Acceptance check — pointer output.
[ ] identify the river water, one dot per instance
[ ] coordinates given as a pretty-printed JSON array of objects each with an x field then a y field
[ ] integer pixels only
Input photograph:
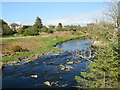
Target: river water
[{"x": 48, "y": 68}]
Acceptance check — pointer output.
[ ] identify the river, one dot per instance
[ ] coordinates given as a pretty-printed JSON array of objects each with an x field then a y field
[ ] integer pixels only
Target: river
[{"x": 48, "y": 68}]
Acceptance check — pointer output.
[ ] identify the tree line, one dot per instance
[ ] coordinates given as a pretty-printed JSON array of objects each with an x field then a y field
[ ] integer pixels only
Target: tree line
[{"x": 30, "y": 30}]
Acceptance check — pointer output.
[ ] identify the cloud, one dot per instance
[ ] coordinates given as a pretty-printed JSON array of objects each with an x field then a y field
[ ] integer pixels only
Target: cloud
[
  {"x": 18, "y": 22},
  {"x": 81, "y": 18}
]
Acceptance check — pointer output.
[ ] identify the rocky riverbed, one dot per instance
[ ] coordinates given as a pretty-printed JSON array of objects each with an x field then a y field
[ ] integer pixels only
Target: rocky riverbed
[{"x": 53, "y": 70}]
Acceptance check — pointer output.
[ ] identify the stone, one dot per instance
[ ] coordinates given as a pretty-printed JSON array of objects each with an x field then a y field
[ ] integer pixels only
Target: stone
[
  {"x": 34, "y": 76},
  {"x": 47, "y": 83},
  {"x": 60, "y": 77},
  {"x": 70, "y": 63},
  {"x": 54, "y": 83},
  {"x": 68, "y": 67},
  {"x": 62, "y": 65},
  {"x": 68, "y": 70},
  {"x": 62, "y": 68},
  {"x": 67, "y": 60},
  {"x": 56, "y": 54},
  {"x": 78, "y": 62}
]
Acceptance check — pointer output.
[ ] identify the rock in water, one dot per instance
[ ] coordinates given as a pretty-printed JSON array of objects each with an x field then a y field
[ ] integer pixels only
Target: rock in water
[
  {"x": 56, "y": 54},
  {"x": 55, "y": 84},
  {"x": 62, "y": 68},
  {"x": 78, "y": 62},
  {"x": 34, "y": 76},
  {"x": 47, "y": 83},
  {"x": 68, "y": 67},
  {"x": 70, "y": 63}
]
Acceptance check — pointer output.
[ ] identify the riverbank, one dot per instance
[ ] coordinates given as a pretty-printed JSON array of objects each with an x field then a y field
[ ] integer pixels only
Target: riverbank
[
  {"x": 60, "y": 67},
  {"x": 37, "y": 46}
]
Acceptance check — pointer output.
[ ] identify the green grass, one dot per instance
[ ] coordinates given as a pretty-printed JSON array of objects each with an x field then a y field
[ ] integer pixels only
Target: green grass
[
  {"x": 12, "y": 40},
  {"x": 48, "y": 44},
  {"x": 7, "y": 36}
]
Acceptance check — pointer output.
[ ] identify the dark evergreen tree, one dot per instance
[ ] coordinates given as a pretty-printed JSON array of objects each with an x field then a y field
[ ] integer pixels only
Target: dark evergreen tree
[
  {"x": 38, "y": 23},
  {"x": 59, "y": 25},
  {"x": 4, "y": 28},
  {"x": 103, "y": 71}
]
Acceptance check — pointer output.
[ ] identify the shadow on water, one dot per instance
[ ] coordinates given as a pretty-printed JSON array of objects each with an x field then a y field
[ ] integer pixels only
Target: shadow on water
[{"x": 48, "y": 68}]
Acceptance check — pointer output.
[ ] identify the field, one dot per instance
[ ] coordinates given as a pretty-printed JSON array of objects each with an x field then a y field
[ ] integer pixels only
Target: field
[{"x": 37, "y": 45}]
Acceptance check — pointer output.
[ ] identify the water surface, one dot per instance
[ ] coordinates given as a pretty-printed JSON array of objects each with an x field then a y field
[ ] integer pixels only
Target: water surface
[{"x": 48, "y": 68}]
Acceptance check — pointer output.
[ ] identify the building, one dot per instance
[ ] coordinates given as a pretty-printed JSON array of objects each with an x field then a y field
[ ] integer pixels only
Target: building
[{"x": 15, "y": 26}]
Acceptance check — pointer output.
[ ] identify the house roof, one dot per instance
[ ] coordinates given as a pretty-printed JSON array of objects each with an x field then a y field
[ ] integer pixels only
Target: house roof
[{"x": 14, "y": 24}]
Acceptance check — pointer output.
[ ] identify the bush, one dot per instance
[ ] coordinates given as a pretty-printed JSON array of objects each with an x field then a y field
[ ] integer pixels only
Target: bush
[
  {"x": 21, "y": 31},
  {"x": 44, "y": 29},
  {"x": 26, "y": 26},
  {"x": 51, "y": 26},
  {"x": 39, "y": 30},
  {"x": 76, "y": 33},
  {"x": 16, "y": 48},
  {"x": 65, "y": 29},
  {"x": 49, "y": 31},
  {"x": 59, "y": 29},
  {"x": 24, "y": 50},
  {"x": 31, "y": 31}
]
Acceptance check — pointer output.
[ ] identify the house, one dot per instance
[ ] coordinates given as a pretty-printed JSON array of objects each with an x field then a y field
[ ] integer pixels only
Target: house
[{"x": 15, "y": 26}]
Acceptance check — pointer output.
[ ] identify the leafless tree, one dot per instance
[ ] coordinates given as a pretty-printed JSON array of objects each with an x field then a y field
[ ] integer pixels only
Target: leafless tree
[
  {"x": 84, "y": 54},
  {"x": 112, "y": 11}
]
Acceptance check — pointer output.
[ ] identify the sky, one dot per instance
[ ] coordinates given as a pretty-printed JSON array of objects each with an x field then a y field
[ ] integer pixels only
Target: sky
[
  {"x": 52, "y": 13},
  {"x": 54, "y": 0}
]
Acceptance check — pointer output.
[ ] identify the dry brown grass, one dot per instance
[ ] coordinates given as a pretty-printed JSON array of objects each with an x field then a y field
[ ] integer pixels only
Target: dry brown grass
[
  {"x": 30, "y": 45},
  {"x": 61, "y": 33}
]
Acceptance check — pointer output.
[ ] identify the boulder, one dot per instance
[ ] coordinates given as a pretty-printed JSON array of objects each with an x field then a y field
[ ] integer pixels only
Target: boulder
[
  {"x": 62, "y": 68},
  {"x": 68, "y": 67},
  {"x": 34, "y": 76},
  {"x": 51, "y": 83},
  {"x": 54, "y": 83},
  {"x": 70, "y": 62},
  {"x": 47, "y": 83}
]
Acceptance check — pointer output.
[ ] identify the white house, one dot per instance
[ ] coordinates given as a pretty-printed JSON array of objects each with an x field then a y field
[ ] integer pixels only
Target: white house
[{"x": 15, "y": 26}]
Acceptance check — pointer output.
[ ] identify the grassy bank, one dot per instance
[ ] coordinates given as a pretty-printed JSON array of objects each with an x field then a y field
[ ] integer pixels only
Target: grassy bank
[{"x": 36, "y": 45}]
